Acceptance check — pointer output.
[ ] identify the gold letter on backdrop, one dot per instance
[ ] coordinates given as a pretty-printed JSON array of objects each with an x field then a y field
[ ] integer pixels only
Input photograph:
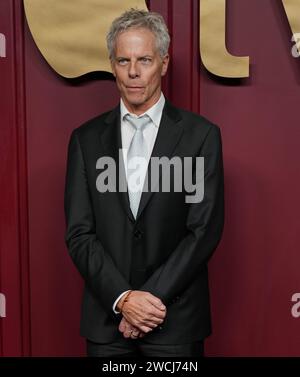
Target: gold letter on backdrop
[
  {"x": 2, "y": 46},
  {"x": 70, "y": 34},
  {"x": 214, "y": 54},
  {"x": 2, "y": 306},
  {"x": 292, "y": 9}
]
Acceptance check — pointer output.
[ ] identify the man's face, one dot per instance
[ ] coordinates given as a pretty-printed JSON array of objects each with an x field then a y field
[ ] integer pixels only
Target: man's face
[{"x": 138, "y": 69}]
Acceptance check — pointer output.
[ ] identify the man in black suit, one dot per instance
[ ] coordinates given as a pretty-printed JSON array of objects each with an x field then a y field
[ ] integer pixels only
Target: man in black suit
[{"x": 143, "y": 253}]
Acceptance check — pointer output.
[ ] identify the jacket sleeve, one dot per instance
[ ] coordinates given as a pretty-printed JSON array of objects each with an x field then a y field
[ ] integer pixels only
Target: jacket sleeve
[
  {"x": 92, "y": 261},
  {"x": 204, "y": 224}
]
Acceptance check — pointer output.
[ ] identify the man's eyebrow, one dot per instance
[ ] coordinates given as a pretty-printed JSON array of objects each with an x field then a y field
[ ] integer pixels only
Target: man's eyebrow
[{"x": 139, "y": 57}]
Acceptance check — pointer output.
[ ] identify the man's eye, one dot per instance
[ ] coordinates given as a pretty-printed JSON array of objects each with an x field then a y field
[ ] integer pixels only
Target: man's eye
[
  {"x": 122, "y": 61},
  {"x": 146, "y": 60}
]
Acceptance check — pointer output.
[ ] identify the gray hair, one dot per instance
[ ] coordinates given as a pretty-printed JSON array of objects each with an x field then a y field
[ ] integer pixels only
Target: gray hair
[{"x": 137, "y": 18}]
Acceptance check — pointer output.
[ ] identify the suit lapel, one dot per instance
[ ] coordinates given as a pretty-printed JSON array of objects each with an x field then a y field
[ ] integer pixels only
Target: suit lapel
[
  {"x": 168, "y": 136},
  {"x": 169, "y": 133},
  {"x": 112, "y": 143}
]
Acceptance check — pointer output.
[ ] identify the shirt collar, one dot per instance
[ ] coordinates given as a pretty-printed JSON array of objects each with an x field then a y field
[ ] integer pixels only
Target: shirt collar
[{"x": 154, "y": 112}]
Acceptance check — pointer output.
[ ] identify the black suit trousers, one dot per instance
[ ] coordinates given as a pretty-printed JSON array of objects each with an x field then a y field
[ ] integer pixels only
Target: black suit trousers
[{"x": 127, "y": 347}]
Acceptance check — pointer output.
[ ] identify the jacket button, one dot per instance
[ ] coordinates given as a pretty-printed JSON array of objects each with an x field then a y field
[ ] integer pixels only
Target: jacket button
[
  {"x": 137, "y": 234},
  {"x": 175, "y": 299}
]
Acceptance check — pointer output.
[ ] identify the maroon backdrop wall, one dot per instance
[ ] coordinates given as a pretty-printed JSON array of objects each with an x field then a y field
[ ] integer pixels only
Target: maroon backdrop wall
[{"x": 253, "y": 273}]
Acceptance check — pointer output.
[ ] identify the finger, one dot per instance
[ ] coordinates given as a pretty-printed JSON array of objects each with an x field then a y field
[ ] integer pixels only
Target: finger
[
  {"x": 151, "y": 323},
  {"x": 155, "y": 301},
  {"x": 147, "y": 320},
  {"x": 152, "y": 309},
  {"x": 145, "y": 329},
  {"x": 122, "y": 325},
  {"x": 155, "y": 314},
  {"x": 131, "y": 318},
  {"x": 128, "y": 327},
  {"x": 127, "y": 333},
  {"x": 134, "y": 330},
  {"x": 150, "y": 320},
  {"x": 135, "y": 334}
]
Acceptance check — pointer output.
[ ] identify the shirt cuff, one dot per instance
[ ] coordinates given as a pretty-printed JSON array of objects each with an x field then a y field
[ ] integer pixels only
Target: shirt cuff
[{"x": 116, "y": 301}]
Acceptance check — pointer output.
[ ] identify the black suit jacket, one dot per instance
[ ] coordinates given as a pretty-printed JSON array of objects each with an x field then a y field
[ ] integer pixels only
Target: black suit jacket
[{"x": 165, "y": 250}]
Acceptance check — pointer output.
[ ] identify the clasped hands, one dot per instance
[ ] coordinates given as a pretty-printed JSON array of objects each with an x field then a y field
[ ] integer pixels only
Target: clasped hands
[{"x": 142, "y": 312}]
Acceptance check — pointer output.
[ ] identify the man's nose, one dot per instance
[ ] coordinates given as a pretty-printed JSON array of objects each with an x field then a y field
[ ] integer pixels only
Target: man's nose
[{"x": 133, "y": 70}]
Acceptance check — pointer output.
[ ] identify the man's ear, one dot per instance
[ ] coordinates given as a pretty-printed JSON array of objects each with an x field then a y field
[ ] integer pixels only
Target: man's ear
[{"x": 165, "y": 64}]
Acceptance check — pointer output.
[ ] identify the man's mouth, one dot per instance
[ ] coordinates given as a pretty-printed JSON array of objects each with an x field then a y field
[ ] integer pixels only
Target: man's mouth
[{"x": 134, "y": 88}]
